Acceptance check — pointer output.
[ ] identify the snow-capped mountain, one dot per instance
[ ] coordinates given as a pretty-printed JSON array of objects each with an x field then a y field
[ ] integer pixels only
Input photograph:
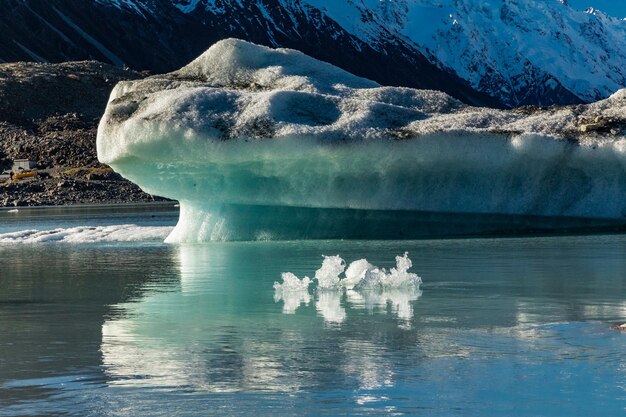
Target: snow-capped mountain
[
  {"x": 494, "y": 52},
  {"x": 520, "y": 51}
]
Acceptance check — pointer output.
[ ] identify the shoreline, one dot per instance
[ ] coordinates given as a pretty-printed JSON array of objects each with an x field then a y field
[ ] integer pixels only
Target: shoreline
[
  {"x": 73, "y": 190},
  {"x": 49, "y": 114},
  {"x": 95, "y": 206}
]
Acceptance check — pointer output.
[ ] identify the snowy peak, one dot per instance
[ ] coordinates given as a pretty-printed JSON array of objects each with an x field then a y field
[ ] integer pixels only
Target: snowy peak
[
  {"x": 522, "y": 52},
  {"x": 506, "y": 53}
]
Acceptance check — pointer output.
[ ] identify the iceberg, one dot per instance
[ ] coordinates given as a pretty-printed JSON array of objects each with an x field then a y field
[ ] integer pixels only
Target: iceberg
[{"x": 261, "y": 143}]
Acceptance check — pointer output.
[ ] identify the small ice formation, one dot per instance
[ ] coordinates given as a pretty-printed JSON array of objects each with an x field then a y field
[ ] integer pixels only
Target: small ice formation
[
  {"x": 254, "y": 141},
  {"x": 293, "y": 292},
  {"x": 356, "y": 273},
  {"x": 88, "y": 234},
  {"x": 365, "y": 287},
  {"x": 362, "y": 274},
  {"x": 292, "y": 283},
  {"x": 328, "y": 275}
]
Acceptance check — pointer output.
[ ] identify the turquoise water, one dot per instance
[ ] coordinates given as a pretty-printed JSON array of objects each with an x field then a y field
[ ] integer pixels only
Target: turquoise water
[{"x": 500, "y": 327}]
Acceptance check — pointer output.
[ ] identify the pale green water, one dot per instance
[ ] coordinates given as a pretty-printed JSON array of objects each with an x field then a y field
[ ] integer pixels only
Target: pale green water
[{"x": 503, "y": 327}]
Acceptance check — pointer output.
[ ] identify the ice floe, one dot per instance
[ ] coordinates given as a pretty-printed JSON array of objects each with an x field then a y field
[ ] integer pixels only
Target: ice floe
[
  {"x": 363, "y": 286},
  {"x": 88, "y": 234}
]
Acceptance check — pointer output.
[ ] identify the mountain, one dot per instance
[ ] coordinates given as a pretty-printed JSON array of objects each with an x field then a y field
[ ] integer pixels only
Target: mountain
[
  {"x": 493, "y": 53},
  {"x": 610, "y": 7}
]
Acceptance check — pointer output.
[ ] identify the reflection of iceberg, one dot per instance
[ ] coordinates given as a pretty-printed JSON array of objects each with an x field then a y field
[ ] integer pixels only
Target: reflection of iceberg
[
  {"x": 212, "y": 327},
  {"x": 292, "y": 300},
  {"x": 398, "y": 299},
  {"x": 218, "y": 329},
  {"x": 262, "y": 143},
  {"x": 329, "y": 306},
  {"x": 199, "y": 334}
]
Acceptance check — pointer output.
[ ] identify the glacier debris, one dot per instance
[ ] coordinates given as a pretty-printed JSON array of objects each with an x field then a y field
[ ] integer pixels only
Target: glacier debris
[{"x": 255, "y": 141}]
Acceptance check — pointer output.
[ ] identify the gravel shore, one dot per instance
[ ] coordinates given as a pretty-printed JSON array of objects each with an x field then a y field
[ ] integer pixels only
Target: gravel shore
[{"x": 49, "y": 114}]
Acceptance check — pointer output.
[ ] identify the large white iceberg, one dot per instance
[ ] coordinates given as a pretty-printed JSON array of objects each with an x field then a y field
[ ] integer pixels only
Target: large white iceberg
[{"x": 269, "y": 143}]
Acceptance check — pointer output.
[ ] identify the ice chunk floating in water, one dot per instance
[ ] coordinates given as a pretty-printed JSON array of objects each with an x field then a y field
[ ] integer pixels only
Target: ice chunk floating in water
[
  {"x": 365, "y": 286},
  {"x": 88, "y": 234},
  {"x": 260, "y": 143},
  {"x": 328, "y": 274},
  {"x": 293, "y": 291}
]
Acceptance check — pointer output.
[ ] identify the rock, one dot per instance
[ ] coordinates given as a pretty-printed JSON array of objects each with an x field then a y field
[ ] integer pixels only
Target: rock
[
  {"x": 589, "y": 127},
  {"x": 49, "y": 113}
]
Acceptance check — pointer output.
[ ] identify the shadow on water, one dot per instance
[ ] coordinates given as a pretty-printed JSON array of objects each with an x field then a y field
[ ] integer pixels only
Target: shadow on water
[{"x": 263, "y": 222}]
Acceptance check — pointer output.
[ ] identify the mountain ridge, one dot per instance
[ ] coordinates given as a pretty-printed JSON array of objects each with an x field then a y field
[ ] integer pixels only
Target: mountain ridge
[{"x": 506, "y": 55}]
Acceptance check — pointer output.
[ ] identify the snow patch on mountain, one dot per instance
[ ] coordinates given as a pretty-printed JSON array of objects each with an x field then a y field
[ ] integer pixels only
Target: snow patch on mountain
[
  {"x": 186, "y": 6},
  {"x": 133, "y": 6},
  {"x": 520, "y": 52},
  {"x": 614, "y": 8},
  {"x": 504, "y": 49}
]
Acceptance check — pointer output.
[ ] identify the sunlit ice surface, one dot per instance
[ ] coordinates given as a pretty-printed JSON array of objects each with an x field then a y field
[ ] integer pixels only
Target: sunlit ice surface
[
  {"x": 260, "y": 143},
  {"x": 499, "y": 327}
]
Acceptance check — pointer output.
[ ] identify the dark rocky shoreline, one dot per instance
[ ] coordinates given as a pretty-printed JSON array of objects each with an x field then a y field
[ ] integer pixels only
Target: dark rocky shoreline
[
  {"x": 61, "y": 191},
  {"x": 49, "y": 113}
]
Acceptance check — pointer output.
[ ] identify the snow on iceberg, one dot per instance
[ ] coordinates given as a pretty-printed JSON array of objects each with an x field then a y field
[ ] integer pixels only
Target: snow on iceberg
[{"x": 258, "y": 142}]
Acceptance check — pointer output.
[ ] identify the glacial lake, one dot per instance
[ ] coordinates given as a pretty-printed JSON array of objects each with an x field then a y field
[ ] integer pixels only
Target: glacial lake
[{"x": 100, "y": 318}]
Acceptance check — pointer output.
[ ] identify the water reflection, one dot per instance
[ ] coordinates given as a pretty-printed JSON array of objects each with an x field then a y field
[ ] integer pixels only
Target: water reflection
[
  {"x": 505, "y": 327},
  {"x": 219, "y": 330},
  {"x": 222, "y": 328},
  {"x": 397, "y": 301},
  {"x": 292, "y": 300},
  {"x": 329, "y": 306}
]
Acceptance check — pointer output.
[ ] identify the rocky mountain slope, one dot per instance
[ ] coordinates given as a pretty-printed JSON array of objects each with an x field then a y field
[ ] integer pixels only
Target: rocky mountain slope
[
  {"x": 488, "y": 53},
  {"x": 49, "y": 113},
  {"x": 162, "y": 35}
]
